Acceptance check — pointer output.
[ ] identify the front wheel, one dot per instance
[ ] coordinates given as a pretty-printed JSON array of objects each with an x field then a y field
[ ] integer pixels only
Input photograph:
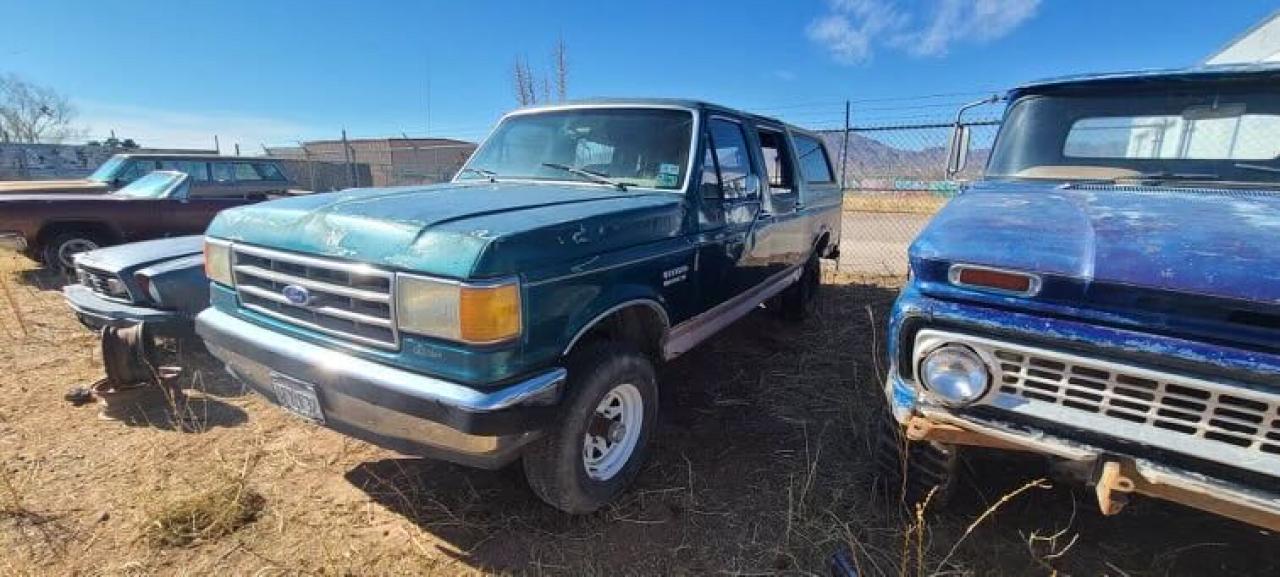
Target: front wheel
[
  {"x": 913, "y": 469},
  {"x": 59, "y": 253},
  {"x": 597, "y": 448}
]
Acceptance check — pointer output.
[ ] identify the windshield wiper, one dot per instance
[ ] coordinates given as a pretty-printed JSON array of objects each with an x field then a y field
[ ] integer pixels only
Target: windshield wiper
[
  {"x": 1257, "y": 167},
  {"x": 489, "y": 174},
  {"x": 587, "y": 174},
  {"x": 1165, "y": 175}
]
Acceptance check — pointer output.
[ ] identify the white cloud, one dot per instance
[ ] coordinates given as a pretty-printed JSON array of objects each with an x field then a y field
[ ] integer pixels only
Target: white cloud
[
  {"x": 852, "y": 29},
  {"x": 160, "y": 128}
]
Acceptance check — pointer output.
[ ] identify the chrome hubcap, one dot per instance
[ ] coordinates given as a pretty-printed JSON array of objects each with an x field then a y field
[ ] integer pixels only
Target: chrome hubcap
[
  {"x": 69, "y": 249},
  {"x": 613, "y": 432}
]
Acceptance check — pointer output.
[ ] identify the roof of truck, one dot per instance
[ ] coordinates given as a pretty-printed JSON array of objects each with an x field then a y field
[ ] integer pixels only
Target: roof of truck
[
  {"x": 1203, "y": 73},
  {"x": 668, "y": 102}
]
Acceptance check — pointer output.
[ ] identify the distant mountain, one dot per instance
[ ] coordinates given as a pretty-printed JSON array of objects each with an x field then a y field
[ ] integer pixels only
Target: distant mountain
[{"x": 872, "y": 158}]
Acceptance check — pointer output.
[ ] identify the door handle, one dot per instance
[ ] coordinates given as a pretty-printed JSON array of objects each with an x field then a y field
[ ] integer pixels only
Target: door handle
[{"x": 763, "y": 215}]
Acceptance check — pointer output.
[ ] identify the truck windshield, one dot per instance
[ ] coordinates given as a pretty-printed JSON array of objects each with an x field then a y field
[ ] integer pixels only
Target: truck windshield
[
  {"x": 107, "y": 171},
  {"x": 1182, "y": 134},
  {"x": 635, "y": 147},
  {"x": 155, "y": 185}
]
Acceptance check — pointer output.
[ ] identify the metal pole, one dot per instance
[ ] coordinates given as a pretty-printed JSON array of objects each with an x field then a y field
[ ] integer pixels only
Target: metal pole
[
  {"x": 844, "y": 150},
  {"x": 237, "y": 149},
  {"x": 216, "y": 147},
  {"x": 346, "y": 155}
]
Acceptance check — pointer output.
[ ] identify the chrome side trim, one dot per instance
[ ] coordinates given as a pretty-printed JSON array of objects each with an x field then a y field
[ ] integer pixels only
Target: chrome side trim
[
  {"x": 608, "y": 267},
  {"x": 953, "y": 276},
  {"x": 686, "y": 335},
  {"x": 666, "y": 321}
]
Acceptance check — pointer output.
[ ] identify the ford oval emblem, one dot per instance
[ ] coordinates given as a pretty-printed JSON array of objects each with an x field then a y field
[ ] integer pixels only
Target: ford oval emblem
[{"x": 296, "y": 294}]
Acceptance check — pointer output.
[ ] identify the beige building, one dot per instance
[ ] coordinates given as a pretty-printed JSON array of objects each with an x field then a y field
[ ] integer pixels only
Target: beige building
[{"x": 392, "y": 161}]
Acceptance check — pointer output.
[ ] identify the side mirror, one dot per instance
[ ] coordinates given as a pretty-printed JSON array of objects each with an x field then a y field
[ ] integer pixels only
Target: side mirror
[{"x": 958, "y": 150}]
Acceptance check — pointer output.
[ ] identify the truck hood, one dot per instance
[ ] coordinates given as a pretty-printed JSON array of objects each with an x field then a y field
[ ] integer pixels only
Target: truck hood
[
  {"x": 457, "y": 230},
  {"x": 53, "y": 186},
  {"x": 139, "y": 254},
  {"x": 1219, "y": 243}
]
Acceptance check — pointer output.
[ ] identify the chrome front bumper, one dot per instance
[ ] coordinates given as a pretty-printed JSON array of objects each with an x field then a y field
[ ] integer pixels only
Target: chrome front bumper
[
  {"x": 1088, "y": 395},
  {"x": 390, "y": 407}
]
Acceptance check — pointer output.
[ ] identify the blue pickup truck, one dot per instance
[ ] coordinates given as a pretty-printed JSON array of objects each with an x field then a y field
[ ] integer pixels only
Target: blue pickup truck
[
  {"x": 1108, "y": 296},
  {"x": 520, "y": 310}
]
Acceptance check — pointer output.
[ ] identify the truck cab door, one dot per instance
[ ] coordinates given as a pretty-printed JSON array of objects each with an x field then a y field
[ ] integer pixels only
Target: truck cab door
[
  {"x": 781, "y": 236},
  {"x": 728, "y": 207}
]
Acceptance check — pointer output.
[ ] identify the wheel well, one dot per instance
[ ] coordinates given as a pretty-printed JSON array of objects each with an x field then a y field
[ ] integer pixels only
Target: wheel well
[
  {"x": 97, "y": 229},
  {"x": 820, "y": 247},
  {"x": 641, "y": 324}
]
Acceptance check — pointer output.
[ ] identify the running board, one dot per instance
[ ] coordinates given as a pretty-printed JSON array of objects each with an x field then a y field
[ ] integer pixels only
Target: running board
[{"x": 688, "y": 334}]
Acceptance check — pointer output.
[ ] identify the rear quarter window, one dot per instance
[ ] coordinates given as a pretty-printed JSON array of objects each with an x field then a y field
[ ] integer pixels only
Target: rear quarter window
[{"x": 814, "y": 164}]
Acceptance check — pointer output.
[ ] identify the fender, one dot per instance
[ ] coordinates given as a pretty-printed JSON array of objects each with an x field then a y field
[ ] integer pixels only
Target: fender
[{"x": 649, "y": 302}]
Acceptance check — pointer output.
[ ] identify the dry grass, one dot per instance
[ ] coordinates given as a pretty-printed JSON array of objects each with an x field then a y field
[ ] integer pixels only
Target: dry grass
[
  {"x": 761, "y": 467},
  {"x": 906, "y": 202}
]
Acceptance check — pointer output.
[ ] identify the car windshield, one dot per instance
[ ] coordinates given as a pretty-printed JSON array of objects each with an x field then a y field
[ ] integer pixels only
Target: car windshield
[
  {"x": 1177, "y": 134},
  {"x": 108, "y": 170},
  {"x": 154, "y": 185},
  {"x": 631, "y": 147}
]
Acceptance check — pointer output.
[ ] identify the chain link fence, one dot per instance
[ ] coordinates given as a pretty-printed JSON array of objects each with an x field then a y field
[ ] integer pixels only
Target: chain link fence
[{"x": 894, "y": 181}]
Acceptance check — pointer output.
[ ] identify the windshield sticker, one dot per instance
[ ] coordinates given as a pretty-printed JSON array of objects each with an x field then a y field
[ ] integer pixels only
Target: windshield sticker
[{"x": 666, "y": 168}]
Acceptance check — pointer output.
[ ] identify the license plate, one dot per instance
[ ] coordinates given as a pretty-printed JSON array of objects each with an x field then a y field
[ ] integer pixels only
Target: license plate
[{"x": 298, "y": 397}]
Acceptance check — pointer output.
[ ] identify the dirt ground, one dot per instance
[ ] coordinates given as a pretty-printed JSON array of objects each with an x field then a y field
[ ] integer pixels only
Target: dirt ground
[{"x": 761, "y": 467}]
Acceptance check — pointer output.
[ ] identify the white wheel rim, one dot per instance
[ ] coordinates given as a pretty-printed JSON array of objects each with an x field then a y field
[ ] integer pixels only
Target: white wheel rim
[
  {"x": 74, "y": 247},
  {"x": 613, "y": 432}
]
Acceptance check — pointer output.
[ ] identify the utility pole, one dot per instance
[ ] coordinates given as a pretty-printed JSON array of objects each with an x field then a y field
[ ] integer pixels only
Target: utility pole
[
  {"x": 216, "y": 147},
  {"x": 844, "y": 150},
  {"x": 237, "y": 149}
]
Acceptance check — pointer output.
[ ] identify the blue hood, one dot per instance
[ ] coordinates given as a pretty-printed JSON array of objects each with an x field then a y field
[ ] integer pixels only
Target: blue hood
[
  {"x": 134, "y": 255},
  {"x": 1215, "y": 243}
]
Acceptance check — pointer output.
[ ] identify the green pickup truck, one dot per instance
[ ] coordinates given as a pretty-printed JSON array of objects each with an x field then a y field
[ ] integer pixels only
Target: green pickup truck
[{"x": 519, "y": 311}]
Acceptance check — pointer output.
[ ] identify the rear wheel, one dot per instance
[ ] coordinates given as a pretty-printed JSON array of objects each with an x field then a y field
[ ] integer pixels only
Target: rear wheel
[
  {"x": 911, "y": 469},
  {"x": 59, "y": 253},
  {"x": 599, "y": 445},
  {"x": 800, "y": 300}
]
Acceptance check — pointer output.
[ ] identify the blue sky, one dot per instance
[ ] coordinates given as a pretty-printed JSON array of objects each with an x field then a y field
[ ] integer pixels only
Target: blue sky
[{"x": 175, "y": 73}]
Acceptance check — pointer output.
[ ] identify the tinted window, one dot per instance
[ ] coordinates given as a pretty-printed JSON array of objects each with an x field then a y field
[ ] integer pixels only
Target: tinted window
[
  {"x": 776, "y": 160},
  {"x": 245, "y": 171},
  {"x": 222, "y": 171},
  {"x": 813, "y": 159},
  {"x": 731, "y": 158},
  {"x": 270, "y": 172},
  {"x": 199, "y": 171},
  {"x": 134, "y": 170}
]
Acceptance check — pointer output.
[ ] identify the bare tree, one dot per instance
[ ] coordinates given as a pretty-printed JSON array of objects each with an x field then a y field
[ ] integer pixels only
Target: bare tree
[
  {"x": 523, "y": 82},
  {"x": 531, "y": 88},
  {"x": 33, "y": 113},
  {"x": 561, "y": 59}
]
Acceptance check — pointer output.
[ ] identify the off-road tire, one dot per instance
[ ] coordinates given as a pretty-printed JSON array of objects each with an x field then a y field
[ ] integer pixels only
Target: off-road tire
[
  {"x": 553, "y": 465},
  {"x": 926, "y": 465},
  {"x": 799, "y": 301},
  {"x": 52, "y": 250}
]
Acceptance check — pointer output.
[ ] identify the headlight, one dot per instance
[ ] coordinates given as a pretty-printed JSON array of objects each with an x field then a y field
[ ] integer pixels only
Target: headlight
[
  {"x": 217, "y": 261},
  {"x": 475, "y": 314},
  {"x": 955, "y": 374}
]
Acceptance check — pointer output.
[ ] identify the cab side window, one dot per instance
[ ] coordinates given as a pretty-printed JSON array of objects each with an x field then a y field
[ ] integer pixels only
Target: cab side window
[
  {"x": 726, "y": 165},
  {"x": 199, "y": 171},
  {"x": 223, "y": 172},
  {"x": 777, "y": 161}
]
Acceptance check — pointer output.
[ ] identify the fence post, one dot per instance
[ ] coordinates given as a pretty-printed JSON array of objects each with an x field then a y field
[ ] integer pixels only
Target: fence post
[
  {"x": 346, "y": 155},
  {"x": 844, "y": 150}
]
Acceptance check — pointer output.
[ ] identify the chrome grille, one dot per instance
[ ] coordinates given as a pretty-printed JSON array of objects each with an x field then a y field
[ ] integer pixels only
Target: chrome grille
[
  {"x": 1234, "y": 424},
  {"x": 104, "y": 283},
  {"x": 1232, "y": 416},
  {"x": 350, "y": 301}
]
